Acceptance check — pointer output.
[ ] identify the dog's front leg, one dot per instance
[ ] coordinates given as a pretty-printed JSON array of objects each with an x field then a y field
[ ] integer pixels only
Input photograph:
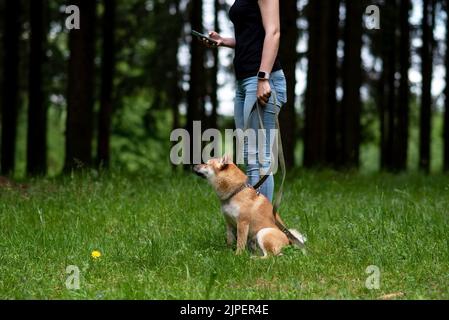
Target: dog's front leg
[
  {"x": 230, "y": 234},
  {"x": 242, "y": 236}
]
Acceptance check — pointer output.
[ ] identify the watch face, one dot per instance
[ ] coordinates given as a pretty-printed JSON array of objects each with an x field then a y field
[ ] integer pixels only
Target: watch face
[{"x": 262, "y": 75}]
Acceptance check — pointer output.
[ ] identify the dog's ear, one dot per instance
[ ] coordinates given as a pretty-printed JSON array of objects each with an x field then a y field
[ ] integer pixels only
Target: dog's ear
[{"x": 225, "y": 161}]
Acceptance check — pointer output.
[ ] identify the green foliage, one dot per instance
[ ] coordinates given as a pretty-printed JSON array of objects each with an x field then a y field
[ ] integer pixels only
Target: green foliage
[
  {"x": 142, "y": 91},
  {"x": 140, "y": 141}
]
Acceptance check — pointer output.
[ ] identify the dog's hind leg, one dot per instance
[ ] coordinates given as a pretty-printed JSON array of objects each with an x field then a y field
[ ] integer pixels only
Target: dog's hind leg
[
  {"x": 271, "y": 241},
  {"x": 260, "y": 240}
]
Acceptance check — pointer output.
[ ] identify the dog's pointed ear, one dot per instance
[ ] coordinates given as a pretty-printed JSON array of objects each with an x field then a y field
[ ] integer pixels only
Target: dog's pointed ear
[{"x": 225, "y": 161}]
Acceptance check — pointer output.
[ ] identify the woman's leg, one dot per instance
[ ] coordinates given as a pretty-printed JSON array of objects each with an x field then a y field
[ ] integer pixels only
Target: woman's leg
[
  {"x": 270, "y": 111},
  {"x": 251, "y": 150},
  {"x": 239, "y": 103},
  {"x": 246, "y": 97},
  {"x": 247, "y": 93},
  {"x": 267, "y": 156},
  {"x": 259, "y": 156},
  {"x": 257, "y": 153},
  {"x": 239, "y": 117}
]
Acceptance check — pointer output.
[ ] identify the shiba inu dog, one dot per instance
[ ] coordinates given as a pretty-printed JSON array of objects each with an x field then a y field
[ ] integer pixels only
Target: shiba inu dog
[{"x": 248, "y": 215}]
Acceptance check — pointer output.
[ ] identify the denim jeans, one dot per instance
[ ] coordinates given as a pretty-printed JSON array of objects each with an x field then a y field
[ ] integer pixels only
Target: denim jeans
[{"x": 246, "y": 97}]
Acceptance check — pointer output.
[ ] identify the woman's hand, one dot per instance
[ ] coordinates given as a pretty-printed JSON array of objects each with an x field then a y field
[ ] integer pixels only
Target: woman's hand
[
  {"x": 214, "y": 36},
  {"x": 219, "y": 41},
  {"x": 263, "y": 92}
]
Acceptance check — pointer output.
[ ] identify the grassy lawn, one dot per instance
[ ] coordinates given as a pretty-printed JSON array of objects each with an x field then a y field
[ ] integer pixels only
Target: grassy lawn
[{"x": 164, "y": 238}]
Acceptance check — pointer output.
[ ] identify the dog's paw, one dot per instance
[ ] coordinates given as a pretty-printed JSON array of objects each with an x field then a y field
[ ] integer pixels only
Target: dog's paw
[{"x": 260, "y": 257}]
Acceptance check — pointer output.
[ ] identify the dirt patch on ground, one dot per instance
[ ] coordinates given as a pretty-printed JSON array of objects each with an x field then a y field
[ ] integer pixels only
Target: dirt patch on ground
[{"x": 6, "y": 183}]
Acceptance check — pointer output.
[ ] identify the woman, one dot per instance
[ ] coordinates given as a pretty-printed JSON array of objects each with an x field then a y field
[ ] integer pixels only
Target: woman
[{"x": 258, "y": 72}]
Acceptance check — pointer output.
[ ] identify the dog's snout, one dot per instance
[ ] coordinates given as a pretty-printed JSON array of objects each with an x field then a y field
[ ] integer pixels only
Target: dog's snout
[{"x": 197, "y": 170}]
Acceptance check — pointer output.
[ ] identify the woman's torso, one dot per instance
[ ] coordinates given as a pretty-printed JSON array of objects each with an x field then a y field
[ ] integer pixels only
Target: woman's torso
[{"x": 250, "y": 36}]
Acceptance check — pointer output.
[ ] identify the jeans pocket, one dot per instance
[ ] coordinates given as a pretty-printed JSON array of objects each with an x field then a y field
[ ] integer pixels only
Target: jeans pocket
[{"x": 280, "y": 87}]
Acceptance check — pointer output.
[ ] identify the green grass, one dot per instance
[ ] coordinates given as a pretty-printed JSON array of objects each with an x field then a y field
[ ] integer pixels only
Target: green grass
[{"x": 164, "y": 238}]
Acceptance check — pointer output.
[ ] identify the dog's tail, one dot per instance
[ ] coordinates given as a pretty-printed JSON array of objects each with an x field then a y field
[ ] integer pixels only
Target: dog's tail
[{"x": 300, "y": 237}]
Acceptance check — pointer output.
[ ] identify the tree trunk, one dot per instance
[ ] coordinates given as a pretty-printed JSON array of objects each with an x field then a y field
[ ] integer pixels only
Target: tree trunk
[
  {"x": 174, "y": 90},
  {"x": 446, "y": 113},
  {"x": 426, "y": 97},
  {"x": 315, "y": 136},
  {"x": 195, "y": 94},
  {"x": 80, "y": 97},
  {"x": 107, "y": 84},
  {"x": 333, "y": 137},
  {"x": 10, "y": 101},
  {"x": 37, "y": 110},
  {"x": 402, "y": 116},
  {"x": 381, "y": 101},
  {"x": 352, "y": 81},
  {"x": 388, "y": 83},
  {"x": 214, "y": 74},
  {"x": 289, "y": 57}
]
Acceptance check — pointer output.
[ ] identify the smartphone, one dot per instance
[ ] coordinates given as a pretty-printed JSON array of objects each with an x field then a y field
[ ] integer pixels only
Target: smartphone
[{"x": 203, "y": 37}]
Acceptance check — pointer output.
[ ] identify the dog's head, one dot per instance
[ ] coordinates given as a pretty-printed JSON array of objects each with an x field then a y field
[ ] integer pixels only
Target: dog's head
[
  {"x": 212, "y": 168},
  {"x": 221, "y": 173}
]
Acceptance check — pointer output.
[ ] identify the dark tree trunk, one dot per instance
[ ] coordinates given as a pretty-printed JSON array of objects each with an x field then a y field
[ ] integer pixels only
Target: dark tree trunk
[
  {"x": 195, "y": 94},
  {"x": 37, "y": 110},
  {"x": 317, "y": 94},
  {"x": 352, "y": 81},
  {"x": 391, "y": 99},
  {"x": 333, "y": 138},
  {"x": 380, "y": 89},
  {"x": 289, "y": 41},
  {"x": 107, "y": 84},
  {"x": 175, "y": 111},
  {"x": 80, "y": 97},
  {"x": 388, "y": 83},
  {"x": 175, "y": 99},
  {"x": 381, "y": 101},
  {"x": 402, "y": 116},
  {"x": 10, "y": 100},
  {"x": 446, "y": 113},
  {"x": 214, "y": 73},
  {"x": 175, "y": 90},
  {"x": 426, "y": 97}
]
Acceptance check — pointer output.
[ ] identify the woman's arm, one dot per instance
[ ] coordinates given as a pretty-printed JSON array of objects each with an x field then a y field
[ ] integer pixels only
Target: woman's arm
[
  {"x": 271, "y": 22},
  {"x": 229, "y": 42}
]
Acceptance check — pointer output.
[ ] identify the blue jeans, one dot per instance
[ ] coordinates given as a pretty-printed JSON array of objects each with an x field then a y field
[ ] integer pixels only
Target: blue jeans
[{"x": 246, "y": 97}]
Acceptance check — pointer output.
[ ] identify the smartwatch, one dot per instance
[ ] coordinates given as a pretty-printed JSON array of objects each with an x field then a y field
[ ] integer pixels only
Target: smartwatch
[{"x": 261, "y": 75}]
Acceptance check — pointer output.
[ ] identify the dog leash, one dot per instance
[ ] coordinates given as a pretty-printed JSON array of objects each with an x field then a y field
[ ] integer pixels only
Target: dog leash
[{"x": 280, "y": 153}]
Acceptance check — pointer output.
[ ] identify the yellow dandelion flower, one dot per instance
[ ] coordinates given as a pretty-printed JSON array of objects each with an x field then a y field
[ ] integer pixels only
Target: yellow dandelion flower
[{"x": 96, "y": 254}]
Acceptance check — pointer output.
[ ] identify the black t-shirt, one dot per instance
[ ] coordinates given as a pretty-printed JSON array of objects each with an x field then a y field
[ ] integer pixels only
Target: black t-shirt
[{"x": 249, "y": 36}]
